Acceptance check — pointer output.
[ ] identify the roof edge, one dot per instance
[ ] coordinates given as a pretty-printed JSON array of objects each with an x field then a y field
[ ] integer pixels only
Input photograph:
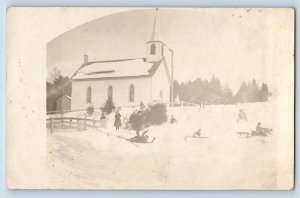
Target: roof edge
[
  {"x": 155, "y": 41},
  {"x": 116, "y": 60},
  {"x": 69, "y": 97},
  {"x": 105, "y": 61},
  {"x": 115, "y": 77}
]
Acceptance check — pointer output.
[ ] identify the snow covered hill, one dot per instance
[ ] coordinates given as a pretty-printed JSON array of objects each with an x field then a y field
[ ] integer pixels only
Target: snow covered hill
[{"x": 103, "y": 158}]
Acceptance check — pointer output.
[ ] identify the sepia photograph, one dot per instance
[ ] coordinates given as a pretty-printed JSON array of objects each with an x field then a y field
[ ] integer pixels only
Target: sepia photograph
[{"x": 170, "y": 98}]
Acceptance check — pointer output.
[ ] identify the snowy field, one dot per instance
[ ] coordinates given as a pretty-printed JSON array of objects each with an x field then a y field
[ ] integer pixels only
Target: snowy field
[{"x": 102, "y": 158}]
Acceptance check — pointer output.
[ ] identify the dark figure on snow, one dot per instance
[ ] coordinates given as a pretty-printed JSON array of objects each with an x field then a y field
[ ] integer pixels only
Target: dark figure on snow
[
  {"x": 102, "y": 116},
  {"x": 172, "y": 120},
  {"x": 141, "y": 139},
  {"x": 259, "y": 128},
  {"x": 261, "y": 131},
  {"x": 118, "y": 122},
  {"x": 242, "y": 115},
  {"x": 197, "y": 134},
  {"x": 139, "y": 122}
]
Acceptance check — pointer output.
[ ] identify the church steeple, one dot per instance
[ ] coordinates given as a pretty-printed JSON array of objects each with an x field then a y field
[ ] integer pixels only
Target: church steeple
[
  {"x": 154, "y": 49},
  {"x": 154, "y": 25}
]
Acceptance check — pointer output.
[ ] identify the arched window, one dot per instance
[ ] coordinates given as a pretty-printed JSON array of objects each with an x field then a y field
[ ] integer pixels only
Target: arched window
[
  {"x": 131, "y": 93},
  {"x": 161, "y": 95},
  {"x": 110, "y": 93},
  {"x": 89, "y": 95},
  {"x": 152, "y": 49}
]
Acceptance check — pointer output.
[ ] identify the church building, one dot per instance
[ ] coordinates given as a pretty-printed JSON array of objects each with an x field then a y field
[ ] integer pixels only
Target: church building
[{"x": 127, "y": 82}]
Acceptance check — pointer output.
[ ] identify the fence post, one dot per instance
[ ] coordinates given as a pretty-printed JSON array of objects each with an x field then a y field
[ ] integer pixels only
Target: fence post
[
  {"x": 70, "y": 123},
  {"x": 51, "y": 125},
  {"x": 84, "y": 123},
  {"x": 78, "y": 124}
]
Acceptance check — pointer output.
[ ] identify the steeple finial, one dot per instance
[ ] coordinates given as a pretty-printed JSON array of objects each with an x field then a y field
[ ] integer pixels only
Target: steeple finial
[{"x": 154, "y": 25}]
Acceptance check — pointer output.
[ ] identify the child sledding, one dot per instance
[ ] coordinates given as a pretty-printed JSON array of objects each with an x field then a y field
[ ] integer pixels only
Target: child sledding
[
  {"x": 195, "y": 135},
  {"x": 259, "y": 131},
  {"x": 137, "y": 124},
  {"x": 141, "y": 138},
  {"x": 242, "y": 115}
]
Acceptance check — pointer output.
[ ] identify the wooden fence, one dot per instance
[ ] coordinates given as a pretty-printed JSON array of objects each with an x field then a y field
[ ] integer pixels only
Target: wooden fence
[
  {"x": 75, "y": 123},
  {"x": 57, "y": 120}
]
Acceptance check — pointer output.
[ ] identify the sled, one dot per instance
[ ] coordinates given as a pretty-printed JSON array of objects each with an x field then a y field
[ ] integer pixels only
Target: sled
[
  {"x": 243, "y": 134},
  {"x": 143, "y": 139},
  {"x": 191, "y": 137}
]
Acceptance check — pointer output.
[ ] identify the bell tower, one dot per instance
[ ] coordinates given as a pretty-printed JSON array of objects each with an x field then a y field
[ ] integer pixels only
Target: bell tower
[{"x": 154, "y": 48}]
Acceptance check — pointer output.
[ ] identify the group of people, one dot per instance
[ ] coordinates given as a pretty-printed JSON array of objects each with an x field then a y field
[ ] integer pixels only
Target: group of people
[
  {"x": 138, "y": 126},
  {"x": 259, "y": 131},
  {"x": 144, "y": 138},
  {"x": 117, "y": 122}
]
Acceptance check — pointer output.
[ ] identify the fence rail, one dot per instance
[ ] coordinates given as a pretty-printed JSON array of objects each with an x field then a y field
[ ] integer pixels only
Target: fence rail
[
  {"x": 75, "y": 123},
  {"x": 81, "y": 123}
]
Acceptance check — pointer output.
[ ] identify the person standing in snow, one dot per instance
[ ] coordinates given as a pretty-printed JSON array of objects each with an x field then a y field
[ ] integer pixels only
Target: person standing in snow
[
  {"x": 139, "y": 122},
  {"x": 242, "y": 115},
  {"x": 118, "y": 122},
  {"x": 172, "y": 120}
]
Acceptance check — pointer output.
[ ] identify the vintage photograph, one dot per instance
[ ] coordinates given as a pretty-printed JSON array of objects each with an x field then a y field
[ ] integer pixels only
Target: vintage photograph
[{"x": 171, "y": 98}]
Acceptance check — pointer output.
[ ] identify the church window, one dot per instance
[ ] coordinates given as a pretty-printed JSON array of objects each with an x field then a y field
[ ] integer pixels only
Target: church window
[
  {"x": 131, "y": 93},
  {"x": 110, "y": 93},
  {"x": 89, "y": 95},
  {"x": 152, "y": 49},
  {"x": 161, "y": 94}
]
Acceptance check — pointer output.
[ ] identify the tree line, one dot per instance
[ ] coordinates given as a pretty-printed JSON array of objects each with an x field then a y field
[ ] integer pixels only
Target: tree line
[
  {"x": 56, "y": 86},
  {"x": 213, "y": 92},
  {"x": 197, "y": 91}
]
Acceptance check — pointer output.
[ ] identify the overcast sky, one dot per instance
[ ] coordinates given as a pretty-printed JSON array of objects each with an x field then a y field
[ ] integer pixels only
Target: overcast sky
[{"x": 233, "y": 44}]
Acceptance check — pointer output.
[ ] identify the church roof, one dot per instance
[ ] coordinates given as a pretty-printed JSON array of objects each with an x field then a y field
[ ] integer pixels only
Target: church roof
[
  {"x": 64, "y": 96},
  {"x": 125, "y": 68}
]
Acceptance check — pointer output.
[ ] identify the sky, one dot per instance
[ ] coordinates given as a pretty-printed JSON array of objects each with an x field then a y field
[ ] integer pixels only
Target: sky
[{"x": 236, "y": 44}]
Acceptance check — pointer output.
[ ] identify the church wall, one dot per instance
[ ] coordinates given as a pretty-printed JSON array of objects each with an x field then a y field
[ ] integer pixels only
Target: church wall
[
  {"x": 160, "y": 81},
  {"x": 142, "y": 92}
]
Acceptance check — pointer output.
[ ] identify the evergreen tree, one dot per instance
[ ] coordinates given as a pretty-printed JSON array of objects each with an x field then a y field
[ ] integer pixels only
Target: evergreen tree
[
  {"x": 253, "y": 93},
  {"x": 56, "y": 86},
  {"x": 264, "y": 91},
  {"x": 213, "y": 92},
  {"x": 227, "y": 95},
  {"x": 176, "y": 89},
  {"x": 241, "y": 95}
]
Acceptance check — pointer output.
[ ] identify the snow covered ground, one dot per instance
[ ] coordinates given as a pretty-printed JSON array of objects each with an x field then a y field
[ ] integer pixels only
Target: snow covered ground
[{"x": 102, "y": 158}]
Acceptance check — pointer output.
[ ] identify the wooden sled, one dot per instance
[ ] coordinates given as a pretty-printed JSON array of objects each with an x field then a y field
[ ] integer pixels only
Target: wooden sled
[
  {"x": 264, "y": 132},
  {"x": 143, "y": 139},
  {"x": 193, "y": 137},
  {"x": 243, "y": 134}
]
